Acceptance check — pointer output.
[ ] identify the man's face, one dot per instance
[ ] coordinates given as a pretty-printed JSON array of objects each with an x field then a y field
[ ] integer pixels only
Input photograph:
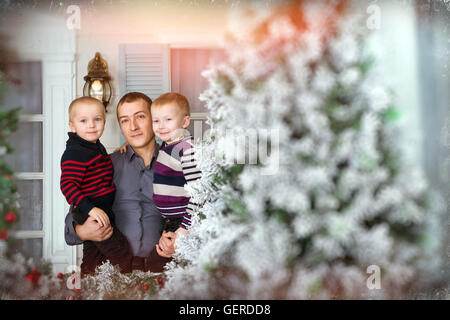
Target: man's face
[{"x": 136, "y": 123}]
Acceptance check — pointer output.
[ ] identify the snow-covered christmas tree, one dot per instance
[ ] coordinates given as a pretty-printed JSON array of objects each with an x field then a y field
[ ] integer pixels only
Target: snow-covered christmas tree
[{"x": 322, "y": 198}]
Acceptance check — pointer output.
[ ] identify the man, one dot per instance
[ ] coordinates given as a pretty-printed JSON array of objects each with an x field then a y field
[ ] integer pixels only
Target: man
[{"x": 136, "y": 215}]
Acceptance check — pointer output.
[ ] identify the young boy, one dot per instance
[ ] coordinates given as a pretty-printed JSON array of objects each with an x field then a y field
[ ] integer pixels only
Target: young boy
[
  {"x": 87, "y": 183},
  {"x": 175, "y": 165}
]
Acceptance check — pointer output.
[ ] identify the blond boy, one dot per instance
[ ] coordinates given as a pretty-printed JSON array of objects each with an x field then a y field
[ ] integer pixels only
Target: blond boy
[
  {"x": 176, "y": 165},
  {"x": 87, "y": 182}
]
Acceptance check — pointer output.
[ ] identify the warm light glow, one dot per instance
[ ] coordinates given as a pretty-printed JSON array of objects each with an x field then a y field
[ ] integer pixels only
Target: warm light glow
[
  {"x": 97, "y": 85},
  {"x": 96, "y": 90}
]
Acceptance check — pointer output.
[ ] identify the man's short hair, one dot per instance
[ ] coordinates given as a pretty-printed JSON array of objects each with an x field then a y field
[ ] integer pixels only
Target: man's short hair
[
  {"x": 83, "y": 100},
  {"x": 170, "y": 97},
  {"x": 132, "y": 97}
]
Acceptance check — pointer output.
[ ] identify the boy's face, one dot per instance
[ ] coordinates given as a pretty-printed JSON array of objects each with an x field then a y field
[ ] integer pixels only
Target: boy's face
[
  {"x": 88, "y": 121},
  {"x": 169, "y": 122}
]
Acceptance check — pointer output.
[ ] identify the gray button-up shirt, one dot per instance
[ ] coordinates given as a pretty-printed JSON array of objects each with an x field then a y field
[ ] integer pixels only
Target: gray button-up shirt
[{"x": 135, "y": 213}]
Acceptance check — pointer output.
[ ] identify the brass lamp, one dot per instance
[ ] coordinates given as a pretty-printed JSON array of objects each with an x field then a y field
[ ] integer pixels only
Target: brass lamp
[{"x": 97, "y": 81}]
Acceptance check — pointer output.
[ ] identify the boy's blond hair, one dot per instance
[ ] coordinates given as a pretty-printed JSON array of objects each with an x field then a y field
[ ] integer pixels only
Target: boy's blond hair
[
  {"x": 83, "y": 100},
  {"x": 170, "y": 97}
]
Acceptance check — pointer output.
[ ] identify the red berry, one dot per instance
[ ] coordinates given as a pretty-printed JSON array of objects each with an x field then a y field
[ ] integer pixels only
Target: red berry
[
  {"x": 145, "y": 287},
  {"x": 73, "y": 280},
  {"x": 10, "y": 217},
  {"x": 3, "y": 234},
  {"x": 8, "y": 176},
  {"x": 76, "y": 290},
  {"x": 30, "y": 277},
  {"x": 60, "y": 275}
]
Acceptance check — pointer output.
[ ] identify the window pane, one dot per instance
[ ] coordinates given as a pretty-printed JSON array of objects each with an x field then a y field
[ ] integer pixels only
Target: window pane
[
  {"x": 30, "y": 212},
  {"x": 24, "y": 87},
  {"x": 30, "y": 248},
  {"x": 27, "y": 144},
  {"x": 186, "y": 68},
  {"x": 197, "y": 128}
]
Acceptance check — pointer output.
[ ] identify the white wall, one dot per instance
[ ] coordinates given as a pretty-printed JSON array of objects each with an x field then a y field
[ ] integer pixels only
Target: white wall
[{"x": 396, "y": 45}]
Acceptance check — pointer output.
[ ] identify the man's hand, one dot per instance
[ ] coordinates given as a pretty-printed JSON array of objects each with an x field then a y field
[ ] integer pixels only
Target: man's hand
[
  {"x": 166, "y": 246},
  {"x": 91, "y": 230}
]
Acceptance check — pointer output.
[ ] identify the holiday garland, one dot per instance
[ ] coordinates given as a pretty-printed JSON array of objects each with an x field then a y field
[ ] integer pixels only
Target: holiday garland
[{"x": 26, "y": 279}]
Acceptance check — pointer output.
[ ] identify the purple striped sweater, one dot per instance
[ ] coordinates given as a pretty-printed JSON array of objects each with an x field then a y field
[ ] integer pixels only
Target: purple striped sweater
[{"x": 174, "y": 168}]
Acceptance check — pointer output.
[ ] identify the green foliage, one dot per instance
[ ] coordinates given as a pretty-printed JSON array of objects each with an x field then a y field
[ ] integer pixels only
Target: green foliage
[
  {"x": 365, "y": 65},
  {"x": 392, "y": 114},
  {"x": 226, "y": 83},
  {"x": 281, "y": 215},
  {"x": 228, "y": 174},
  {"x": 237, "y": 209},
  {"x": 9, "y": 121}
]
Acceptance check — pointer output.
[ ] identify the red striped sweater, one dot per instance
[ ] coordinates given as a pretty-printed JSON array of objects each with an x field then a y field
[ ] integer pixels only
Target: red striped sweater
[{"x": 86, "y": 175}]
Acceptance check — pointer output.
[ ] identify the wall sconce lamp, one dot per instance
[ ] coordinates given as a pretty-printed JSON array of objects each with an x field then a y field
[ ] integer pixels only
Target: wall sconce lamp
[{"x": 97, "y": 81}]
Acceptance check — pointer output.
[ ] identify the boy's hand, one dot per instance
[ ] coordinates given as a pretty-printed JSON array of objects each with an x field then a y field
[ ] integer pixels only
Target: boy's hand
[
  {"x": 92, "y": 231},
  {"x": 99, "y": 215},
  {"x": 122, "y": 148},
  {"x": 181, "y": 230}
]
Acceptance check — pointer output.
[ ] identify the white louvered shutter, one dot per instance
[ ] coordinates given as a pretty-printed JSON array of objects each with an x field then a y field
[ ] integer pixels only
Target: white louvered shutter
[{"x": 144, "y": 68}]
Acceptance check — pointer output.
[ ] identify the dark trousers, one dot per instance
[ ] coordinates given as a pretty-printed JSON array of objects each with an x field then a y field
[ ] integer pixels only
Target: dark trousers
[
  {"x": 116, "y": 249},
  {"x": 154, "y": 262},
  {"x": 118, "y": 253}
]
